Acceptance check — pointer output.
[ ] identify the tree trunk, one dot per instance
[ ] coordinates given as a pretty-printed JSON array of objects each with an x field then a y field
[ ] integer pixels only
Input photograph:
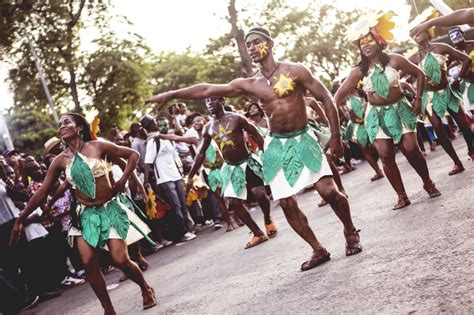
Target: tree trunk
[
  {"x": 246, "y": 62},
  {"x": 69, "y": 56}
]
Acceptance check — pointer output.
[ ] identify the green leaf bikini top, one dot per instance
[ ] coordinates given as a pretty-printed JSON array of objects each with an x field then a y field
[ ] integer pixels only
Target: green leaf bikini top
[
  {"x": 82, "y": 172},
  {"x": 432, "y": 65},
  {"x": 380, "y": 81}
]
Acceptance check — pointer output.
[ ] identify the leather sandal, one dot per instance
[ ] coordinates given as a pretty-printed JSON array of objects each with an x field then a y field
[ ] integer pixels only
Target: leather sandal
[
  {"x": 318, "y": 257},
  {"x": 353, "y": 245},
  {"x": 256, "y": 240},
  {"x": 403, "y": 201},
  {"x": 431, "y": 189}
]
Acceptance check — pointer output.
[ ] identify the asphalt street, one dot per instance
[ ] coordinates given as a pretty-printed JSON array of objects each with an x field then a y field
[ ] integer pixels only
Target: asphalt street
[{"x": 418, "y": 259}]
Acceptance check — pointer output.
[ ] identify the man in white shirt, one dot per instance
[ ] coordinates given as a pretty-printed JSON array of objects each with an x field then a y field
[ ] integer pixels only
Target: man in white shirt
[
  {"x": 139, "y": 136},
  {"x": 161, "y": 155}
]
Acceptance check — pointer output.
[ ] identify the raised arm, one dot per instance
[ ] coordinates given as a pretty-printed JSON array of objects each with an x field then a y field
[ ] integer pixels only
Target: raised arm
[
  {"x": 463, "y": 16},
  {"x": 199, "y": 91},
  {"x": 200, "y": 156},
  {"x": 37, "y": 199}
]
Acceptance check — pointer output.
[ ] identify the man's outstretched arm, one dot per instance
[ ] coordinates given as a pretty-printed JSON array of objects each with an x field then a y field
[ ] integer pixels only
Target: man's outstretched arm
[
  {"x": 463, "y": 16},
  {"x": 199, "y": 91}
]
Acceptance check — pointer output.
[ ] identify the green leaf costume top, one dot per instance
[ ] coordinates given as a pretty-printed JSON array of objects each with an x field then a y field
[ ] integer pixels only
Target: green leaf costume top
[
  {"x": 82, "y": 176},
  {"x": 432, "y": 68},
  {"x": 380, "y": 82}
]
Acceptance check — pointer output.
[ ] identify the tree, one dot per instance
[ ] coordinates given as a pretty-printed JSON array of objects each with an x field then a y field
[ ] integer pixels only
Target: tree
[
  {"x": 53, "y": 27},
  {"x": 238, "y": 34},
  {"x": 174, "y": 70},
  {"x": 313, "y": 36},
  {"x": 116, "y": 77},
  {"x": 29, "y": 130}
]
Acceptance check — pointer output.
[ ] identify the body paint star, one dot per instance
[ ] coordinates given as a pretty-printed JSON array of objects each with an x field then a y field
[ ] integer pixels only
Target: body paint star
[
  {"x": 284, "y": 85},
  {"x": 222, "y": 137}
]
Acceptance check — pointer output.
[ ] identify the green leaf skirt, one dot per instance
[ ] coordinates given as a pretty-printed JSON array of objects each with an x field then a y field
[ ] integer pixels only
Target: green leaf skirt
[
  {"x": 390, "y": 121},
  {"x": 237, "y": 178},
  {"x": 468, "y": 94},
  {"x": 292, "y": 161},
  {"x": 111, "y": 220},
  {"x": 438, "y": 102}
]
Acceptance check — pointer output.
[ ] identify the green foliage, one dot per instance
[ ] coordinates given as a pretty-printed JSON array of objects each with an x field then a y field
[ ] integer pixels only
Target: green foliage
[
  {"x": 29, "y": 130},
  {"x": 53, "y": 28},
  {"x": 116, "y": 77},
  {"x": 174, "y": 70}
]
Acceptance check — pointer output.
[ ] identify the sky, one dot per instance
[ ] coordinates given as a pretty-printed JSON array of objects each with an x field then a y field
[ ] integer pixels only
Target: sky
[{"x": 178, "y": 24}]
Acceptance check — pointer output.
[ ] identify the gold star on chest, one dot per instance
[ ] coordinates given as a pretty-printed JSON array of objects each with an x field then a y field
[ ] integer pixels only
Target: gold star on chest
[
  {"x": 222, "y": 137},
  {"x": 284, "y": 85}
]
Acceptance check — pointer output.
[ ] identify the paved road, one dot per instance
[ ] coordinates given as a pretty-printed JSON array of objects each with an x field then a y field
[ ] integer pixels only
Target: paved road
[{"x": 419, "y": 259}]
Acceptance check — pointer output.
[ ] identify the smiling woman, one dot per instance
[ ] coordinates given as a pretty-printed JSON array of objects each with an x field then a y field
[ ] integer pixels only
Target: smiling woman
[
  {"x": 390, "y": 117},
  {"x": 103, "y": 215}
]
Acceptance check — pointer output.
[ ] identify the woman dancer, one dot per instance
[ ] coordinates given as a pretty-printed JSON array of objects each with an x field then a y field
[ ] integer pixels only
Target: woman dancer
[
  {"x": 102, "y": 217},
  {"x": 389, "y": 119},
  {"x": 440, "y": 97}
]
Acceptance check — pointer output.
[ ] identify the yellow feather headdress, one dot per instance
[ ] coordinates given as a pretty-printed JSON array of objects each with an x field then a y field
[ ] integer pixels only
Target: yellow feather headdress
[{"x": 380, "y": 22}]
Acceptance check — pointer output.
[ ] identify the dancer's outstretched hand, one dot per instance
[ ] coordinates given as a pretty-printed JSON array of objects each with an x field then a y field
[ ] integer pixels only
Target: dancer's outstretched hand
[
  {"x": 160, "y": 99},
  {"x": 335, "y": 146}
]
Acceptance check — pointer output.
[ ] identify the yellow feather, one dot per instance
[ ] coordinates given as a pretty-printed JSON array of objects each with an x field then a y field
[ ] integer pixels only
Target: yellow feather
[{"x": 95, "y": 129}]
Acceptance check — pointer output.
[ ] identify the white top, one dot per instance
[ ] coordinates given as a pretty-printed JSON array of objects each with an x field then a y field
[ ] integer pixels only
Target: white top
[
  {"x": 192, "y": 133},
  {"x": 140, "y": 146},
  {"x": 164, "y": 164}
]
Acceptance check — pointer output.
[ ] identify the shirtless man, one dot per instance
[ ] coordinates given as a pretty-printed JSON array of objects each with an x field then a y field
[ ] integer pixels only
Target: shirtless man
[
  {"x": 241, "y": 171},
  {"x": 293, "y": 158}
]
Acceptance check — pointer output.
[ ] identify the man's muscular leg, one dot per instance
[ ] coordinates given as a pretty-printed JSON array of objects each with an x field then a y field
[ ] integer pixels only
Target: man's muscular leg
[
  {"x": 299, "y": 223},
  {"x": 327, "y": 188}
]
